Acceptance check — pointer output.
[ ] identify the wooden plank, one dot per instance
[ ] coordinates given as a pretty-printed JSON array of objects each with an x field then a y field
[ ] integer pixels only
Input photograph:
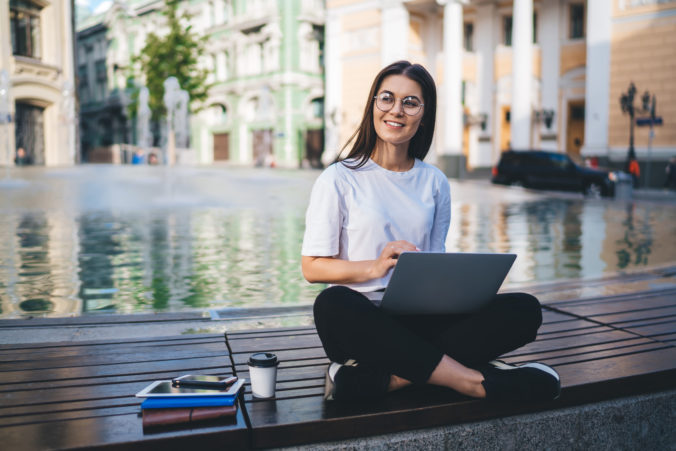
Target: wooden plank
[
  {"x": 617, "y": 304},
  {"x": 167, "y": 340},
  {"x": 572, "y": 324},
  {"x": 619, "y": 319},
  {"x": 658, "y": 330},
  {"x": 549, "y": 355},
  {"x": 114, "y": 379},
  {"x": 112, "y": 357},
  {"x": 84, "y": 372}
]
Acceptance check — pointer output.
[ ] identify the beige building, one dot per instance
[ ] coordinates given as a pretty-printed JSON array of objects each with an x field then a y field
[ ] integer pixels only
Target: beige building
[
  {"x": 36, "y": 54},
  {"x": 513, "y": 74}
]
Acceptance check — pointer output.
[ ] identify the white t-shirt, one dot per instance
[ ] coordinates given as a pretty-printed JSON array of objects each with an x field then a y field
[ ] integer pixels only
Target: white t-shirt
[{"x": 354, "y": 213}]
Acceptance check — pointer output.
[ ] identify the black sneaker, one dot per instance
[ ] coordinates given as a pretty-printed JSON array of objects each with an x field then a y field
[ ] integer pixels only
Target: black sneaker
[
  {"x": 351, "y": 382},
  {"x": 526, "y": 382}
]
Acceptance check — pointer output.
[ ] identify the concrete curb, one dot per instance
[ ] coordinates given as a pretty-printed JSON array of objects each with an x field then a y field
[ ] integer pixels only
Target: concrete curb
[{"x": 637, "y": 422}]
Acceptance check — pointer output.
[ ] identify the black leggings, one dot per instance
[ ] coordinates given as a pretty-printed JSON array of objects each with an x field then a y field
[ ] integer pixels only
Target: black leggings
[{"x": 411, "y": 346}]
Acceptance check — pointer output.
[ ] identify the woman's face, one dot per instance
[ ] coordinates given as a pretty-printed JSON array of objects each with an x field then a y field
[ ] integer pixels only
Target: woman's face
[{"x": 395, "y": 126}]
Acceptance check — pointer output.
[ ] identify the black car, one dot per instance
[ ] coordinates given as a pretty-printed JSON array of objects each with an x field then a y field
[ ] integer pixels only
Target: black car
[{"x": 552, "y": 170}]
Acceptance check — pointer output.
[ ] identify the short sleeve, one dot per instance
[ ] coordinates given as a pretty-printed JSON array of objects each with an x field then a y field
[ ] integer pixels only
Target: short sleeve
[
  {"x": 323, "y": 219},
  {"x": 442, "y": 216}
]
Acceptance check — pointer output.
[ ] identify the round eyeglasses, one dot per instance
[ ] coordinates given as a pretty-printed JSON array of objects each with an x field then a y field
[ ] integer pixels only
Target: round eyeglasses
[{"x": 410, "y": 105}]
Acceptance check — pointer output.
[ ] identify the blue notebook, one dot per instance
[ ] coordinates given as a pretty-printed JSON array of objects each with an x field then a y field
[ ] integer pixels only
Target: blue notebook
[{"x": 196, "y": 401}]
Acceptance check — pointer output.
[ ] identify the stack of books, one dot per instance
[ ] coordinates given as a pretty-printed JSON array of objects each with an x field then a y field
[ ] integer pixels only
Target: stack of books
[{"x": 187, "y": 400}]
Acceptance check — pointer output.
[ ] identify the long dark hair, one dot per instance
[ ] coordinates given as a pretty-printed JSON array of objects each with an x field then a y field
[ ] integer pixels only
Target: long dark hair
[{"x": 364, "y": 138}]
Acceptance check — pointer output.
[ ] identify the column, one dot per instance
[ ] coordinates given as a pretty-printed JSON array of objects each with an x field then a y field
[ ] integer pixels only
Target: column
[
  {"x": 597, "y": 83},
  {"x": 522, "y": 73},
  {"x": 68, "y": 155},
  {"x": 395, "y": 28},
  {"x": 484, "y": 38},
  {"x": 452, "y": 161},
  {"x": 551, "y": 61},
  {"x": 6, "y": 130},
  {"x": 290, "y": 47},
  {"x": 333, "y": 74}
]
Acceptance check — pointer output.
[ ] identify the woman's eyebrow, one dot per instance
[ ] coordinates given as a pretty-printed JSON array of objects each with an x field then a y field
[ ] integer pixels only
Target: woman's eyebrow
[{"x": 411, "y": 96}]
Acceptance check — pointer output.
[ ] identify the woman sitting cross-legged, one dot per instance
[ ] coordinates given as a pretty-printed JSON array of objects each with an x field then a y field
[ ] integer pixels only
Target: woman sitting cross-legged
[{"x": 364, "y": 211}]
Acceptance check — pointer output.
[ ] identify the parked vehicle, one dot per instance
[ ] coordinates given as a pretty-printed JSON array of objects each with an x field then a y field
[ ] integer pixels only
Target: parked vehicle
[{"x": 552, "y": 170}]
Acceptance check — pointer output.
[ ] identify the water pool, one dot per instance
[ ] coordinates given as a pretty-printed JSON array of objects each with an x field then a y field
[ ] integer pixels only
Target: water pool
[{"x": 129, "y": 239}]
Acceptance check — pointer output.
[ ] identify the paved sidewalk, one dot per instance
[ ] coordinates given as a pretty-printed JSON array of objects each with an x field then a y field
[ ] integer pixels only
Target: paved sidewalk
[{"x": 652, "y": 194}]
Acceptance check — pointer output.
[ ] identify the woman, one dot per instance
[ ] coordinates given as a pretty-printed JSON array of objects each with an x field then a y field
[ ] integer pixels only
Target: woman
[{"x": 364, "y": 211}]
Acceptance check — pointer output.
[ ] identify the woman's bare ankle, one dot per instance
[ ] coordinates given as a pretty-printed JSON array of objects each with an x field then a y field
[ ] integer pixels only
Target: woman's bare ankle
[
  {"x": 452, "y": 374},
  {"x": 476, "y": 388},
  {"x": 397, "y": 383}
]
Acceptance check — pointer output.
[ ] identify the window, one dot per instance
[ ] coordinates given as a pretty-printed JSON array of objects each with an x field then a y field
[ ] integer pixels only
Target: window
[
  {"x": 535, "y": 28},
  {"x": 468, "y": 36},
  {"x": 82, "y": 75},
  {"x": 24, "y": 19},
  {"x": 318, "y": 108},
  {"x": 507, "y": 31},
  {"x": 577, "y": 21},
  {"x": 318, "y": 35},
  {"x": 101, "y": 71},
  {"x": 577, "y": 112}
]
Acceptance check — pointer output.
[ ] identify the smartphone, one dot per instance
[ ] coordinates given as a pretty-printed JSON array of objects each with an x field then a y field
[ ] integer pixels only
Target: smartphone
[{"x": 216, "y": 382}]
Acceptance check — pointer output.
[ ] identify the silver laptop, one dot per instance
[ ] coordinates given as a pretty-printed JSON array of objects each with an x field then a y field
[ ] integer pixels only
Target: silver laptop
[{"x": 429, "y": 283}]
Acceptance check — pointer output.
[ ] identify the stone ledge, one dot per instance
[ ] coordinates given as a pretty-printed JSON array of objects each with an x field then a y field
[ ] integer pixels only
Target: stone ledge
[{"x": 644, "y": 421}]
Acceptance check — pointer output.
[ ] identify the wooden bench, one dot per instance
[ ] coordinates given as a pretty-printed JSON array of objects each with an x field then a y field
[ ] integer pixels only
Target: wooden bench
[
  {"x": 81, "y": 395},
  {"x": 603, "y": 348}
]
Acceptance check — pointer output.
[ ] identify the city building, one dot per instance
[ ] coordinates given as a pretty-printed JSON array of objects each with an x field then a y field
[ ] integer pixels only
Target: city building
[
  {"x": 37, "y": 103},
  {"x": 265, "y": 59},
  {"x": 517, "y": 74}
]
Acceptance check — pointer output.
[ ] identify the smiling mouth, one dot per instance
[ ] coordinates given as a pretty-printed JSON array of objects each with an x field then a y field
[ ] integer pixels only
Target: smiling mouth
[{"x": 394, "y": 124}]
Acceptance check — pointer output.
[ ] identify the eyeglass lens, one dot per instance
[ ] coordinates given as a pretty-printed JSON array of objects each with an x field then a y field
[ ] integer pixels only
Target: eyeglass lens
[{"x": 385, "y": 102}]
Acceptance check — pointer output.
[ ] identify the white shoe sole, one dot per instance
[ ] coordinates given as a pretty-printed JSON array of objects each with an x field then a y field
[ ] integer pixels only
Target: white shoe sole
[{"x": 539, "y": 366}]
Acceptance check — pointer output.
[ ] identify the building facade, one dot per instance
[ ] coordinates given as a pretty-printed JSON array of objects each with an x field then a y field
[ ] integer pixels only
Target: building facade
[
  {"x": 513, "y": 74},
  {"x": 265, "y": 60},
  {"x": 36, "y": 59}
]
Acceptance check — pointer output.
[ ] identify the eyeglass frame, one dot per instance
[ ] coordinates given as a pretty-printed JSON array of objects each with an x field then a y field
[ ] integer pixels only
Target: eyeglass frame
[{"x": 402, "y": 104}]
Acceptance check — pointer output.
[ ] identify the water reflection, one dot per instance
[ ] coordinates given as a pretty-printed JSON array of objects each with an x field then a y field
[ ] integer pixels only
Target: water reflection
[
  {"x": 566, "y": 238},
  {"x": 68, "y": 258},
  {"x": 170, "y": 260}
]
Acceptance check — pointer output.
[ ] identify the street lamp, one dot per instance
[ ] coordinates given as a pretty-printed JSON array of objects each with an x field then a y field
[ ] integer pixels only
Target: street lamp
[
  {"x": 627, "y": 105},
  {"x": 648, "y": 118}
]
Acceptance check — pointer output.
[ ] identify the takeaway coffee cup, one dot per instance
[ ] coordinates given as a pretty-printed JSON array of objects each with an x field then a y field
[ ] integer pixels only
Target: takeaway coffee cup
[{"x": 263, "y": 374}]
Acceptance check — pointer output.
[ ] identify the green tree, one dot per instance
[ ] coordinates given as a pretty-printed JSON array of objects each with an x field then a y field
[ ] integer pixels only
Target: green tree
[{"x": 174, "y": 54}]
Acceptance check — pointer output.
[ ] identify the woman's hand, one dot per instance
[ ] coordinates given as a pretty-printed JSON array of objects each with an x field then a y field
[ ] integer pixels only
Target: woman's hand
[
  {"x": 388, "y": 257},
  {"x": 334, "y": 270}
]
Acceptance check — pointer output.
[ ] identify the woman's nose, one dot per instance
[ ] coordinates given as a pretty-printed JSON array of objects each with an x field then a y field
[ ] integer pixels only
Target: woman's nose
[{"x": 398, "y": 107}]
